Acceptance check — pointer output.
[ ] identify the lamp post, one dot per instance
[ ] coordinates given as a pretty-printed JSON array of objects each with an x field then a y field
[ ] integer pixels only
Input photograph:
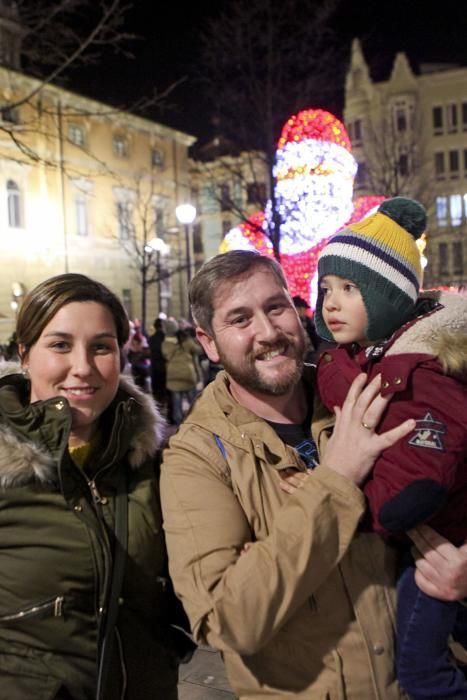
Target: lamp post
[
  {"x": 186, "y": 214},
  {"x": 159, "y": 247}
]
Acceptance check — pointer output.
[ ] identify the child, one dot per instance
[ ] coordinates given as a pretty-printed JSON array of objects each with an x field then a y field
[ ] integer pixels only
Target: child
[{"x": 369, "y": 303}]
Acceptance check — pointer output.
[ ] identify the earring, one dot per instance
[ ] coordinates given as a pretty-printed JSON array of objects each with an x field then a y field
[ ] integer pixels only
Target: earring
[{"x": 25, "y": 372}]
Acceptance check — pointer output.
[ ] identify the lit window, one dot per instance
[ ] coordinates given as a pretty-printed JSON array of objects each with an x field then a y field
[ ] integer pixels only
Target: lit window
[
  {"x": 443, "y": 253},
  {"x": 437, "y": 120},
  {"x": 120, "y": 146},
  {"x": 454, "y": 164},
  {"x": 124, "y": 220},
  {"x": 457, "y": 258},
  {"x": 455, "y": 207},
  {"x": 440, "y": 167},
  {"x": 76, "y": 134},
  {"x": 465, "y": 205},
  {"x": 442, "y": 210},
  {"x": 81, "y": 212},
  {"x": 451, "y": 111},
  {"x": 14, "y": 204},
  {"x": 127, "y": 302}
]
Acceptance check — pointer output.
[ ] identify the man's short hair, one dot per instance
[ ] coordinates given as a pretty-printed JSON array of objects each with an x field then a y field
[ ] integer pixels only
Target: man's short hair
[{"x": 222, "y": 268}]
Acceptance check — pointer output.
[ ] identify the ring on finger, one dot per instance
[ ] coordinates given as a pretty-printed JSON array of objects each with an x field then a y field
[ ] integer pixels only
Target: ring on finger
[{"x": 365, "y": 425}]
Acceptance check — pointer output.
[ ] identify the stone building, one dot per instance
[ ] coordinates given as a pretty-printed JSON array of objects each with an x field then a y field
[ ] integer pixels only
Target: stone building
[
  {"x": 85, "y": 188},
  {"x": 409, "y": 136}
]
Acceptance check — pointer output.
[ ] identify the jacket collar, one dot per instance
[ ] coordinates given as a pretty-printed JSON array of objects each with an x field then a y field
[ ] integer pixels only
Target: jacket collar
[{"x": 33, "y": 437}]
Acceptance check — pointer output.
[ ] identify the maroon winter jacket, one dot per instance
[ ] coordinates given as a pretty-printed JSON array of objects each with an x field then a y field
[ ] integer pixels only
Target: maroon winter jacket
[{"x": 423, "y": 477}]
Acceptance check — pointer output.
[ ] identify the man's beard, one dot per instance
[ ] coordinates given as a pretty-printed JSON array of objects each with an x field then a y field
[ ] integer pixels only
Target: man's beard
[{"x": 249, "y": 377}]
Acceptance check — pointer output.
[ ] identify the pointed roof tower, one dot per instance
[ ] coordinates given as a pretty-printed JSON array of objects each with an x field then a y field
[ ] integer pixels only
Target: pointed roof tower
[
  {"x": 358, "y": 82},
  {"x": 11, "y": 34}
]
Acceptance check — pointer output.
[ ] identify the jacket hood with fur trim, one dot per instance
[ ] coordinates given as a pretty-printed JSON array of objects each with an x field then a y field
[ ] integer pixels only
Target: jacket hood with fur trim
[
  {"x": 24, "y": 460},
  {"x": 441, "y": 333}
]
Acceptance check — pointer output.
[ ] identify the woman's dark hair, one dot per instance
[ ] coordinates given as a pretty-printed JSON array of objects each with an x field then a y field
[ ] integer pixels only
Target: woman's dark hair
[{"x": 42, "y": 303}]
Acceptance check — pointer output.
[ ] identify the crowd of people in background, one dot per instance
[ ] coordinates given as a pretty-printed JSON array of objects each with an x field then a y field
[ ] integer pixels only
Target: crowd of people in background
[{"x": 169, "y": 364}]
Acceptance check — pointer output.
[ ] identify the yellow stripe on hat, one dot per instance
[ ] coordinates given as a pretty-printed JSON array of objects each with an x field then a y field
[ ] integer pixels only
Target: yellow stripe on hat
[{"x": 383, "y": 230}]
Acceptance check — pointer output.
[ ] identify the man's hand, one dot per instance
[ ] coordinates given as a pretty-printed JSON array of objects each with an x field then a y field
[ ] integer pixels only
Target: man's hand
[
  {"x": 354, "y": 445},
  {"x": 441, "y": 571}
]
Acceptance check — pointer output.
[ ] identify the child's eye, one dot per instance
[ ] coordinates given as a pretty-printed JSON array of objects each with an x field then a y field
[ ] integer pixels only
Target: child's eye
[{"x": 349, "y": 287}]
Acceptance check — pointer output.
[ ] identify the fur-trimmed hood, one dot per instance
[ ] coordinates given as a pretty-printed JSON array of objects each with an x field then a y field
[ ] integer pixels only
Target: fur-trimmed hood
[
  {"x": 23, "y": 460},
  {"x": 441, "y": 333}
]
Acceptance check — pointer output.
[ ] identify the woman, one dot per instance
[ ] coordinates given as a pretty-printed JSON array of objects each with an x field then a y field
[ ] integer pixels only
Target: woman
[
  {"x": 181, "y": 353},
  {"x": 73, "y": 433}
]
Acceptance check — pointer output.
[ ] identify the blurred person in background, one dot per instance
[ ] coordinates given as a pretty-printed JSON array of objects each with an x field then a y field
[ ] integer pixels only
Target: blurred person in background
[{"x": 181, "y": 353}]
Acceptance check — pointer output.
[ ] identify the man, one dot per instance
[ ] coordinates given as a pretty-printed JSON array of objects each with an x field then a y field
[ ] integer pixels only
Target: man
[{"x": 307, "y": 610}]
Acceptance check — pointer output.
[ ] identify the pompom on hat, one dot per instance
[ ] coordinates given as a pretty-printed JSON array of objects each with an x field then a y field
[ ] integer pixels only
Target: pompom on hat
[{"x": 379, "y": 254}]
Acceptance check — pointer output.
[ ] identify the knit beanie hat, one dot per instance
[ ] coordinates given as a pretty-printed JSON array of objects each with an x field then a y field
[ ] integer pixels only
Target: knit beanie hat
[
  {"x": 379, "y": 254},
  {"x": 170, "y": 326}
]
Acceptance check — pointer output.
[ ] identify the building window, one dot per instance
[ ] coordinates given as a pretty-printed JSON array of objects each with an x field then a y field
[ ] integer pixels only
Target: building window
[
  {"x": 226, "y": 226},
  {"x": 455, "y": 208},
  {"x": 127, "y": 302},
  {"x": 120, "y": 146},
  {"x": 403, "y": 165},
  {"x": 465, "y": 162},
  {"x": 465, "y": 205},
  {"x": 437, "y": 120},
  {"x": 361, "y": 179},
  {"x": 457, "y": 258},
  {"x": 10, "y": 115},
  {"x": 464, "y": 116},
  {"x": 443, "y": 259},
  {"x": 124, "y": 220},
  {"x": 454, "y": 164},
  {"x": 451, "y": 112},
  {"x": 440, "y": 166},
  {"x": 76, "y": 134},
  {"x": 358, "y": 132},
  {"x": 256, "y": 193},
  {"x": 225, "y": 200},
  {"x": 400, "y": 118},
  {"x": 198, "y": 246},
  {"x": 159, "y": 224},
  {"x": 14, "y": 204},
  {"x": 157, "y": 158},
  {"x": 81, "y": 212},
  {"x": 442, "y": 210}
]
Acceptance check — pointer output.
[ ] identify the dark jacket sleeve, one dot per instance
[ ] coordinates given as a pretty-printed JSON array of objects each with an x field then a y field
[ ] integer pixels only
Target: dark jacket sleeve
[{"x": 412, "y": 480}]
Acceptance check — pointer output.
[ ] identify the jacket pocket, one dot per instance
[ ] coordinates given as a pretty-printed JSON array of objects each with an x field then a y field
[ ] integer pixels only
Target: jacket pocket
[{"x": 52, "y": 607}]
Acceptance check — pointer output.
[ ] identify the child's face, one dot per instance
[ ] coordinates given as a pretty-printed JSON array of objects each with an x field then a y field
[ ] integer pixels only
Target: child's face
[{"x": 344, "y": 311}]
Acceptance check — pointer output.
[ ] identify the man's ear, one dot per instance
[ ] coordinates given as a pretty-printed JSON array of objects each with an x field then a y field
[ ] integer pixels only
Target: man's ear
[{"x": 208, "y": 344}]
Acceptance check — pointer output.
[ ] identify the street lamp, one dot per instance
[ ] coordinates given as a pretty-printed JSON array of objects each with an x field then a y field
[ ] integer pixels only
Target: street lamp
[
  {"x": 159, "y": 247},
  {"x": 186, "y": 214}
]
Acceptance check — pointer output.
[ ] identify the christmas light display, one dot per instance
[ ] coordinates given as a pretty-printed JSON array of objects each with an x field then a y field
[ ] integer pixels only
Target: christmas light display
[{"x": 314, "y": 173}]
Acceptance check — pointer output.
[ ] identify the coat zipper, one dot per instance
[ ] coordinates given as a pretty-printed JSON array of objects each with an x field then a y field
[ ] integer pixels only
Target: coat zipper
[{"x": 55, "y": 604}]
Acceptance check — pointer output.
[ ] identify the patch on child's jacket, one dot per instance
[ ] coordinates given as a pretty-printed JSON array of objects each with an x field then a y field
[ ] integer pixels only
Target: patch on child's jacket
[{"x": 428, "y": 433}]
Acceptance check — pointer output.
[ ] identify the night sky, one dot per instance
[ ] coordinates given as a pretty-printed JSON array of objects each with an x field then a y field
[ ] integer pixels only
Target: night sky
[{"x": 169, "y": 49}]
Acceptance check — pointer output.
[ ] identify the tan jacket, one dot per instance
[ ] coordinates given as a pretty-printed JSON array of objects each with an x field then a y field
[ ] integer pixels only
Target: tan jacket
[{"x": 308, "y": 611}]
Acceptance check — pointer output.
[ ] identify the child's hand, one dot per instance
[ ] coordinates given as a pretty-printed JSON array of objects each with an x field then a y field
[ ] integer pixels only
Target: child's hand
[{"x": 292, "y": 479}]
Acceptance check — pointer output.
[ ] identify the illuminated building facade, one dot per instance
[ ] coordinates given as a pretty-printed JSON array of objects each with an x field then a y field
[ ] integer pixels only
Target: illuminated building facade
[
  {"x": 409, "y": 137},
  {"x": 82, "y": 186}
]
